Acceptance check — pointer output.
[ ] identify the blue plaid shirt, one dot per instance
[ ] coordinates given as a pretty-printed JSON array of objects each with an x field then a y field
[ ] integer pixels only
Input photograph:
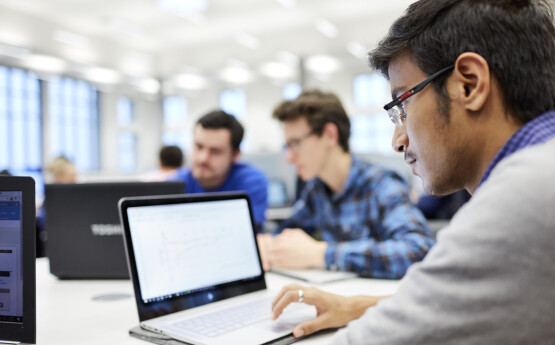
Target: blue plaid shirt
[
  {"x": 534, "y": 132},
  {"x": 371, "y": 226}
]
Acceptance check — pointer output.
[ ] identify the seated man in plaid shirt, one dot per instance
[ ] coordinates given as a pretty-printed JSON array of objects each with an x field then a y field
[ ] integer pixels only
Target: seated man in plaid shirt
[{"x": 351, "y": 215}]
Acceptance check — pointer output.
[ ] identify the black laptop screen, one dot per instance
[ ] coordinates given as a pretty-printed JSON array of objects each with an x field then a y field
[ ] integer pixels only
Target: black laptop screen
[
  {"x": 11, "y": 262},
  {"x": 185, "y": 248}
]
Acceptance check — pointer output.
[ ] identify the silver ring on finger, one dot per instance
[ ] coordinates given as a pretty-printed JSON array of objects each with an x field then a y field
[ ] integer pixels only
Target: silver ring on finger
[{"x": 301, "y": 296}]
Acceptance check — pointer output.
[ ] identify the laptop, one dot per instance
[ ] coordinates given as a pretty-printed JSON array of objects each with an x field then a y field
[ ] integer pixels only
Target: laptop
[
  {"x": 196, "y": 270},
  {"x": 83, "y": 230},
  {"x": 315, "y": 276},
  {"x": 17, "y": 260}
]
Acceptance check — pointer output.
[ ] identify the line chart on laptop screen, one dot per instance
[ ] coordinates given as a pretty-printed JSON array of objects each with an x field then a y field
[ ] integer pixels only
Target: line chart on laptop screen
[{"x": 182, "y": 248}]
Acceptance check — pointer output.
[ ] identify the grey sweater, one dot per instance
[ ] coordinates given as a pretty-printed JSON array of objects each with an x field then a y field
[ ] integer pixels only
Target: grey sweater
[{"x": 490, "y": 279}]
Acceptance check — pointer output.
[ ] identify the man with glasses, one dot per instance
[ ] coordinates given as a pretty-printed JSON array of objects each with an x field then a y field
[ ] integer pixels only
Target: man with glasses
[
  {"x": 352, "y": 215},
  {"x": 482, "y": 118}
]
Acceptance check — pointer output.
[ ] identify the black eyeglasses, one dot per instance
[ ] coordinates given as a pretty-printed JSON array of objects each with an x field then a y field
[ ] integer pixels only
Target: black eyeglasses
[
  {"x": 294, "y": 144},
  {"x": 395, "y": 108}
]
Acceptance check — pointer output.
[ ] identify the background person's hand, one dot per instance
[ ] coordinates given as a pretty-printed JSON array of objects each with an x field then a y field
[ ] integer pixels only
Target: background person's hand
[
  {"x": 265, "y": 243},
  {"x": 295, "y": 249},
  {"x": 332, "y": 310}
]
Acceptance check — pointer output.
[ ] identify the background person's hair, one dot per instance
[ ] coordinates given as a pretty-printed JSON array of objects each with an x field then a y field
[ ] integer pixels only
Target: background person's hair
[
  {"x": 516, "y": 37},
  {"x": 59, "y": 166},
  {"x": 218, "y": 119},
  {"x": 171, "y": 156},
  {"x": 318, "y": 108}
]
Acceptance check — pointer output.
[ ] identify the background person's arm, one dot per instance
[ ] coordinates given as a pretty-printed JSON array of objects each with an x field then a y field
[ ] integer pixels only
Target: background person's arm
[{"x": 399, "y": 239}]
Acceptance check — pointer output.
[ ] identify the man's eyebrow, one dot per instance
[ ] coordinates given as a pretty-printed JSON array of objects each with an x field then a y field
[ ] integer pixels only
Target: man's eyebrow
[{"x": 396, "y": 92}]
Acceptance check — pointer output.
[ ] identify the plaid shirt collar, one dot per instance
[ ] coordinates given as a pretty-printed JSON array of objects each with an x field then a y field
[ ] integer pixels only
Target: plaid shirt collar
[
  {"x": 534, "y": 132},
  {"x": 354, "y": 172}
]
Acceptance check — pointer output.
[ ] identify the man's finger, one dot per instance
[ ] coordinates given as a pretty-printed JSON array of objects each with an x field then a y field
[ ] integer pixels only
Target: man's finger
[
  {"x": 288, "y": 295},
  {"x": 311, "y": 326}
]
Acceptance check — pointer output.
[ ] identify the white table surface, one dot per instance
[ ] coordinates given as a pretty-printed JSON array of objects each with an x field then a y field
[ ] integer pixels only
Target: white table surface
[{"x": 68, "y": 313}]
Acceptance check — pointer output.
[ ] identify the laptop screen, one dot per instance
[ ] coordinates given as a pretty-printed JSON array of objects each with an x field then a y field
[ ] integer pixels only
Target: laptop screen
[
  {"x": 11, "y": 260},
  {"x": 17, "y": 260},
  {"x": 185, "y": 248}
]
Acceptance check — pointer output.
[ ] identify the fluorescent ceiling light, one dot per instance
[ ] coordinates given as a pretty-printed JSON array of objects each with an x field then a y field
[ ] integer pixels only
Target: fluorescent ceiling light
[
  {"x": 14, "y": 37},
  {"x": 357, "y": 50},
  {"x": 236, "y": 75},
  {"x": 78, "y": 55},
  {"x": 102, "y": 75},
  {"x": 14, "y": 52},
  {"x": 322, "y": 64},
  {"x": 70, "y": 38},
  {"x": 148, "y": 85},
  {"x": 248, "y": 41},
  {"x": 326, "y": 28},
  {"x": 277, "y": 70},
  {"x": 190, "y": 81},
  {"x": 45, "y": 63}
]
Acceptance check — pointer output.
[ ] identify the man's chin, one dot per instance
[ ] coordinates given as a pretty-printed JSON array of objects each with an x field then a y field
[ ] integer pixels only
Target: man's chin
[{"x": 201, "y": 176}]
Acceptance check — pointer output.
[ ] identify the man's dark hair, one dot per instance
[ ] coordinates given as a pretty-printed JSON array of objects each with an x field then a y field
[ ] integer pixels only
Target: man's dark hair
[
  {"x": 218, "y": 119},
  {"x": 318, "y": 108},
  {"x": 171, "y": 157},
  {"x": 516, "y": 37}
]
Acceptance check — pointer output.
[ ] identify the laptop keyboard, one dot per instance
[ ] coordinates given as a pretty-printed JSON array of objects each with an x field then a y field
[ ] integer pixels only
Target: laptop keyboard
[{"x": 227, "y": 320}]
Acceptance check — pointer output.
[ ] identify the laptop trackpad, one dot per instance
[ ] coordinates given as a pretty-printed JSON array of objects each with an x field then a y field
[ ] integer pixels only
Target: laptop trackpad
[{"x": 290, "y": 318}]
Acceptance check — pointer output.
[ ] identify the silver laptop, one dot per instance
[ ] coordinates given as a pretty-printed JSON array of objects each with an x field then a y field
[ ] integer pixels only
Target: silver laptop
[{"x": 196, "y": 270}]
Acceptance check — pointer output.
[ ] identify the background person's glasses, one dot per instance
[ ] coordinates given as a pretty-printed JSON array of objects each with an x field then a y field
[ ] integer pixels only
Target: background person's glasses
[
  {"x": 295, "y": 143},
  {"x": 395, "y": 108}
]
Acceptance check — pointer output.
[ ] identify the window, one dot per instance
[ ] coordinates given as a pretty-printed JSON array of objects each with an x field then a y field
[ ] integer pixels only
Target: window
[
  {"x": 370, "y": 91},
  {"x": 176, "y": 131},
  {"x": 74, "y": 122},
  {"x": 125, "y": 111},
  {"x": 371, "y": 134},
  {"x": 234, "y": 102},
  {"x": 20, "y": 122},
  {"x": 371, "y": 131},
  {"x": 291, "y": 91},
  {"x": 127, "y": 153},
  {"x": 127, "y": 141}
]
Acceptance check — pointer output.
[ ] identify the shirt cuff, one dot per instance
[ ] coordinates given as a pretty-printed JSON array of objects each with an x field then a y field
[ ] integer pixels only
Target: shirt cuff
[{"x": 330, "y": 257}]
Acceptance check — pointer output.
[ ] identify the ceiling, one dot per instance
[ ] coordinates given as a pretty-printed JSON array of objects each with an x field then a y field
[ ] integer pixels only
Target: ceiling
[{"x": 137, "y": 38}]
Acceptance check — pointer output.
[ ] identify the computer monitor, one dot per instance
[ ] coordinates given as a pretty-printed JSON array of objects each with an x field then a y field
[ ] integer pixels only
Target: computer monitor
[{"x": 17, "y": 260}]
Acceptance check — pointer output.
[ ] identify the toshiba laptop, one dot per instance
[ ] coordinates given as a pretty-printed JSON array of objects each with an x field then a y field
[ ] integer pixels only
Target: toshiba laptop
[
  {"x": 197, "y": 273},
  {"x": 83, "y": 230},
  {"x": 17, "y": 260}
]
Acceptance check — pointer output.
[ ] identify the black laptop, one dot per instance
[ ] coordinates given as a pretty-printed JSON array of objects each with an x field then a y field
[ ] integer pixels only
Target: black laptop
[
  {"x": 17, "y": 260},
  {"x": 83, "y": 229}
]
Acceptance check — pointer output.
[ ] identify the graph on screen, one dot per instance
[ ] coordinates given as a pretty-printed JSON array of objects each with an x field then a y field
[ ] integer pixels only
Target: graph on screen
[{"x": 185, "y": 247}]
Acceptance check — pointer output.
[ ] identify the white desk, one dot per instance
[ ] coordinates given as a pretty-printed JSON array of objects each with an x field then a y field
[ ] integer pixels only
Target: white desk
[{"x": 68, "y": 314}]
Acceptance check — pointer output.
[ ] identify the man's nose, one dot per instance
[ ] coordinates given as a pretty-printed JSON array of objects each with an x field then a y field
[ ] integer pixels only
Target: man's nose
[
  {"x": 400, "y": 139},
  {"x": 203, "y": 155},
  {"x": 290, "y": 156}
]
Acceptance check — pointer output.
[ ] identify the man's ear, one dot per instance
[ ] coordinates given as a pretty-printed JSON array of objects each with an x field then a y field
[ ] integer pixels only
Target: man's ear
[
  {"x": 473, "y": 81},
  {"x": 331, "y": 132}
]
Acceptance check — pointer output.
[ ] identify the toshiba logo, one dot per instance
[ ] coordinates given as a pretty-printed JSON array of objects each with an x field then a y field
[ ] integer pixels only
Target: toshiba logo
[{"x": 106, "y": 229}]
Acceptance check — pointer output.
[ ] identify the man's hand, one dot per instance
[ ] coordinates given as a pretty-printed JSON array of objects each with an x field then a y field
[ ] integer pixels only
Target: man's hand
[
  {"x": 332, "y": 310},
  {"x": 265, "y": 244},
  {"x": 294, "y": 248}
]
